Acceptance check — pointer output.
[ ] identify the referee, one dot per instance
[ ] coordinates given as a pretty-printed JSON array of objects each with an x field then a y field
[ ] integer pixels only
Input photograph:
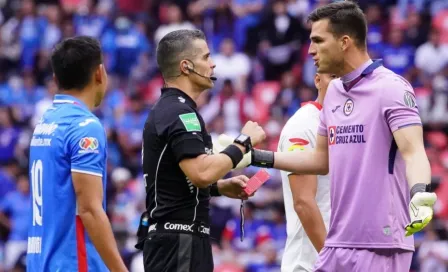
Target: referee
[{"x": 180, "y": 170}]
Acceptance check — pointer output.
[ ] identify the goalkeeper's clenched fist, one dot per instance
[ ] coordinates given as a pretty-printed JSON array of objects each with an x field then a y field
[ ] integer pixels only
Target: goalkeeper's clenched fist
[{"x": 420, "y": 210}]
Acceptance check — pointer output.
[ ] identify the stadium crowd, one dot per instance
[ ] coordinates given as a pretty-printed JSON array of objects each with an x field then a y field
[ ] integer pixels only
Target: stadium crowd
[{"x": 264, "y": 74}]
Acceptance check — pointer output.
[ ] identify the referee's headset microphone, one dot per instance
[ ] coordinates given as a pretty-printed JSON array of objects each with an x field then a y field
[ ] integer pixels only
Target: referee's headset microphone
[{"x": 194, "y": 71}]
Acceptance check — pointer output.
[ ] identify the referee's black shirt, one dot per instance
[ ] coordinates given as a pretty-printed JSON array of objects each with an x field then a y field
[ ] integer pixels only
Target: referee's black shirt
[{"x": 174, "y": 131}]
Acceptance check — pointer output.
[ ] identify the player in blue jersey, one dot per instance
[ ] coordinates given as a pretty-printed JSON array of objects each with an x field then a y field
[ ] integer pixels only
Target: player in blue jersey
[{"x": 70, "y": 230}]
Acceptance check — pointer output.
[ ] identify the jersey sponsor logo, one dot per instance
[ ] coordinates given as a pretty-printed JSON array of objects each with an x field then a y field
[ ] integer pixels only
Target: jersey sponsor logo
[
  {"x": 297, "y": 144},
  {"x": 349, "y": 134},
  {"x": 45, "y": 129},
  {"x": 86, "y": 122},
  {"x": 40, "y": 142},
  {"x": 181, "y": 99},
  {"x": 348, "y": 107},
  {"x": 172, "y": 226},
  {"x": 409, "y": 100},
  {"x": 89, "y": 145},
  {"x": 190, "y": 121},
  {"x": 186, "y": 227},
  {"x": 204, "y": 230}
]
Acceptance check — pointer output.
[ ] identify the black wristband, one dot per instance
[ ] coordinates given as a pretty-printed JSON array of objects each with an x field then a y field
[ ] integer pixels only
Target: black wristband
[
  {"x": 235, "y": 154},
  {"x": 214, "y": 190},
  {"x": 262, "y": 158},
  {"x": 419, "y": 188}
]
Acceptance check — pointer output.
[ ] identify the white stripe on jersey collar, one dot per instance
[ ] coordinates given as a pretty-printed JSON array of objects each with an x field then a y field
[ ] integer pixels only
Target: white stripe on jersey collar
[{"x": 60, "y": 101}]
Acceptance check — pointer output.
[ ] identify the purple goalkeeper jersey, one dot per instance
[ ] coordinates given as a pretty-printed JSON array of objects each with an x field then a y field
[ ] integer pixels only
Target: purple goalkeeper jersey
[{"x": 369, "y": 190}]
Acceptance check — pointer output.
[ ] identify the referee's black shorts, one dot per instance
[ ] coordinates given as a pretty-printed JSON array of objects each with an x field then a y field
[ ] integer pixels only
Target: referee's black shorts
[{"x": 177, "y": 252}]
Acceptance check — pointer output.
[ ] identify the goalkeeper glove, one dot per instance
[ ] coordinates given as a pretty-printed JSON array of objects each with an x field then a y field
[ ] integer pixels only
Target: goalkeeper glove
[{"x": 421, "y": 212}]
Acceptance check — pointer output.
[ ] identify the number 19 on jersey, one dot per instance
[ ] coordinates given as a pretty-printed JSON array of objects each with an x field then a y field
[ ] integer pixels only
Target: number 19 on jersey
[{"x": 35, "y": 242}]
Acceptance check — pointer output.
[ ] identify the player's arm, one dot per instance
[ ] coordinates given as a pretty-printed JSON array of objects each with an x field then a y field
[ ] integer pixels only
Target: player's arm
[
  {"x": 401, "y": 113},
  {"x": 304, "y": 188},
  {"x": 309, "y": 162},
  {"x": 87, "y": 147},
  {"x": 313, "y": 162},
  {"x": 89, "y": 196},
  {"x": 410, "y": 144}
]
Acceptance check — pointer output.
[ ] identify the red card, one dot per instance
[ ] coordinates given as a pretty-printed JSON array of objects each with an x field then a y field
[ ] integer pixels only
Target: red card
[{"x": 256, "y": 181}]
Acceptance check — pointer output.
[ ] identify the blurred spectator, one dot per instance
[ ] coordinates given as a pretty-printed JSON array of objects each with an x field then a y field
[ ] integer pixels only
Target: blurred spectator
[
  {"x": 9, "y": 135},
  {"x": 256, "y": 231},
  {"x": 431, "y": 56},
  {"x": 8, "y": 174},
  {"x": 288, "y": 100},
  {"x": 280, "y": 37},
  {"x": 122, "y": 207},
  {"x": 174, "y": 22},
  {"x": 28, "y": 27},
  {"x": 416, "y": 29},
  {"x": 375, "y": 30},
  {"x": 398, "y": 56},
  {"x": 129, "y": 130},
  {"x": 232, "y": 104},
  {"x": 433, "y": 253},
  {"x": 440, "y": 21},
  {"x": 248, "y": 14},
  {"x": 14, "y": 214},
  {"x": 123, "y": 45},
  {"x": 45, "y": 102},
  {"x": 231, "y": 65},
  {"x": 270, "y": 260},
  {"x": 87, "y": 21}
]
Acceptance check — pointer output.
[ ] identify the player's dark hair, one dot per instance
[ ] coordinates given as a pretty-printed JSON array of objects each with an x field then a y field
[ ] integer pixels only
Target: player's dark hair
[
  {"x": 74, "y": 60},
  {"x": 345, "y": 18},
  {"x": 174, "y": 47}
]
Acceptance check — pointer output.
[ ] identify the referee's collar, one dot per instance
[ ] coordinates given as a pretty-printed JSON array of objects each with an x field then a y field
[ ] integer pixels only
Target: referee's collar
[
  {"x": 68, "y": 99},
  {"x": 182, "y": 96}
]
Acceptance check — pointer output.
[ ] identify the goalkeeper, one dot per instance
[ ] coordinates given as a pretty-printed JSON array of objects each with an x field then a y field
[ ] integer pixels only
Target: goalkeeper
[{"x": 370, "y": 140}]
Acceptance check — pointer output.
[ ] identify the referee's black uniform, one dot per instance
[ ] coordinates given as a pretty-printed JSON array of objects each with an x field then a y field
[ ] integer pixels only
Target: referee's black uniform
[{"x": 177, "y": 238}]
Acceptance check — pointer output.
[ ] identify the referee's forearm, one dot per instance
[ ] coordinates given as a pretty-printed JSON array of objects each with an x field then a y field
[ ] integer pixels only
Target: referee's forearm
[
  {"x": 100, "y": 232},
  {"x": 214, "y": 167}
]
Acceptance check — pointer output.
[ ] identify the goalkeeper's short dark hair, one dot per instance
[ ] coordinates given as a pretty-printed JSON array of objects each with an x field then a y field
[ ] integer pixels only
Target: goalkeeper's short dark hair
[
  {"x": 345, "y": 18},
  {"x": 74, "y": 60}
]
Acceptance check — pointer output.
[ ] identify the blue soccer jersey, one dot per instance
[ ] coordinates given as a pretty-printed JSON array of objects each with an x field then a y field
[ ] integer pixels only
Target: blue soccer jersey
[{"x": 68, "y": 138}]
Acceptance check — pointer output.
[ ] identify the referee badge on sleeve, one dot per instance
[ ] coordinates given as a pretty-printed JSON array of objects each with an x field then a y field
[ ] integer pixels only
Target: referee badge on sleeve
[{"x": 190, "y": 121}]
